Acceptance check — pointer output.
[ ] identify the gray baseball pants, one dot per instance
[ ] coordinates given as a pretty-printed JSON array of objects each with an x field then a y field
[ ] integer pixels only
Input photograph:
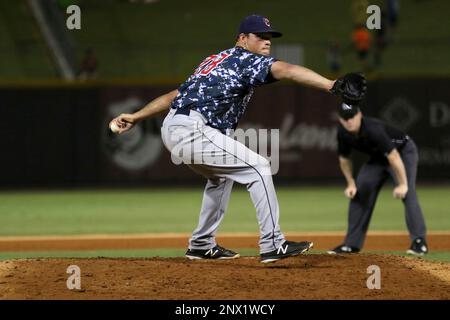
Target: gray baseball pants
[
  {"x": 369, "y": 181},
  {"x": 223, "y": 161}
]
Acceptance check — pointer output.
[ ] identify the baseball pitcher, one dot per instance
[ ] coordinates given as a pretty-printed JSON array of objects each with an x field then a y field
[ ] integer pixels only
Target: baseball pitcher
[{"x": 203, "y": 112}]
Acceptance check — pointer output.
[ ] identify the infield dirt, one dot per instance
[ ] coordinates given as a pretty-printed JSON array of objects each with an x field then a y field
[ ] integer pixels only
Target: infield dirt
[{"x": 310, "y": 276}]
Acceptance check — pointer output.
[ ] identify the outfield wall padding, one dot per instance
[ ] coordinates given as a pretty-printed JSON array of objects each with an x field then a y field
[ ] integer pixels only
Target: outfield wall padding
[{"x": 58, "y": 135}]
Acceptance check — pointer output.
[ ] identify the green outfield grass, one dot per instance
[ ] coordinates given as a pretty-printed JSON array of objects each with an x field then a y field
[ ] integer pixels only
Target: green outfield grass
[
  {"x": 176, "y": 210},
  {"x": 150, "y": 253}
]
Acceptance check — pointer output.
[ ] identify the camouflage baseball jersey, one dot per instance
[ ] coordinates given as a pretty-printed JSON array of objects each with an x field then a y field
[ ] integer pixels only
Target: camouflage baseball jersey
[{"x": 222, "y": 85}]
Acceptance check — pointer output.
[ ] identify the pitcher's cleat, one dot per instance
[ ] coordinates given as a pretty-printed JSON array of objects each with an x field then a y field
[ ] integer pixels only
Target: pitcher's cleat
[
  {"x": 217, "y": 252},
  {"x": 286, "y": 250}
]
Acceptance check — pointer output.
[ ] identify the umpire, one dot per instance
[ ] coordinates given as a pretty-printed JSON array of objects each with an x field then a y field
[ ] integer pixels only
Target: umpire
[{"x": 392, "y": 153}]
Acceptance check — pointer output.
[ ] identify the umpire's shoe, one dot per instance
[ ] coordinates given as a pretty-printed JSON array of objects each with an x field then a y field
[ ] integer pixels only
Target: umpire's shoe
[
  {"x": 418, "y": 247},
  {"x": 215, "y": 253},
  {"x": 286, "y": 250},
  {"x": 343, "y": 249}
]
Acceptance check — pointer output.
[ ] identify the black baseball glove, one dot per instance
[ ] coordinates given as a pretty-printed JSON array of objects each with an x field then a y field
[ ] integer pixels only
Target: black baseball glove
[{"x": 351, "y": 87}]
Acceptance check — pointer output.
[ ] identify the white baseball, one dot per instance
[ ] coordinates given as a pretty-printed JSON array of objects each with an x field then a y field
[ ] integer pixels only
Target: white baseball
[{"x": 114, "y": 127}]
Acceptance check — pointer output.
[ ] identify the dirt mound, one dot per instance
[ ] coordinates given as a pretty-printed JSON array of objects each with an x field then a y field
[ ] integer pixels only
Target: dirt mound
[{"x": 310, "y": 276}]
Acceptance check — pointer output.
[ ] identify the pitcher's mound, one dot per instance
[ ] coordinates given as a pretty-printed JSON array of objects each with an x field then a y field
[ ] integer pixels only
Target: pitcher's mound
[{"x": 311, "y": 276}]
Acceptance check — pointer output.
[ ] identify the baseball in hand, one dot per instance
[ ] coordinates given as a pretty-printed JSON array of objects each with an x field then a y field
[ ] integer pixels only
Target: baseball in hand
[{"x": 114, "y": 127}]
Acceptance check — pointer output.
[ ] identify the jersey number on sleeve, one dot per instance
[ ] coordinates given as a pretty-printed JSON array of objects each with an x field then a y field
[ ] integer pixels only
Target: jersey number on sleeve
[{"x": 210, "y": 63}]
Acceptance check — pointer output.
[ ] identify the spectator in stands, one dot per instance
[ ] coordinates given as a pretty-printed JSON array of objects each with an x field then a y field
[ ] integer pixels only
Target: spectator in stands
[
  {"x": 89, "y": 65},
  {"x": 392, "y": 11},
  {"x": 334, "y": 57},
  {"x": 361, "y": 42}
]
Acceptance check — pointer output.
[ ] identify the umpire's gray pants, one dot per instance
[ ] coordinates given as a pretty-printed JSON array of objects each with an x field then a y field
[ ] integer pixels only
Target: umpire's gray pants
[
  {"x": 222, "y": 160},
  {"x": 369, "y": 181}
]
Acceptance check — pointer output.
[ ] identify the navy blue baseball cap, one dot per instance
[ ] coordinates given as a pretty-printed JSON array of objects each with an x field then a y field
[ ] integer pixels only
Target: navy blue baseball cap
[{"x": 257, "y": 24}]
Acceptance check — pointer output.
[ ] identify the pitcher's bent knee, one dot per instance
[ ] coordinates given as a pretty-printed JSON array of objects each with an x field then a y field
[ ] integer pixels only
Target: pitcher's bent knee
[{"x": 262, "y": 165}]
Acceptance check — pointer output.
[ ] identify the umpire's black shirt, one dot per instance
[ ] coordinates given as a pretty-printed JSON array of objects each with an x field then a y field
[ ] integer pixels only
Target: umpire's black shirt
[{"x": 375, "y": 138}]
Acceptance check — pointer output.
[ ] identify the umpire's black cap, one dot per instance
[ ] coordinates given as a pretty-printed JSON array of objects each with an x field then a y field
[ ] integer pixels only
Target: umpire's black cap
[
  {"x": 347, "y": 111},
  {"x": 257, "y": 24}
]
